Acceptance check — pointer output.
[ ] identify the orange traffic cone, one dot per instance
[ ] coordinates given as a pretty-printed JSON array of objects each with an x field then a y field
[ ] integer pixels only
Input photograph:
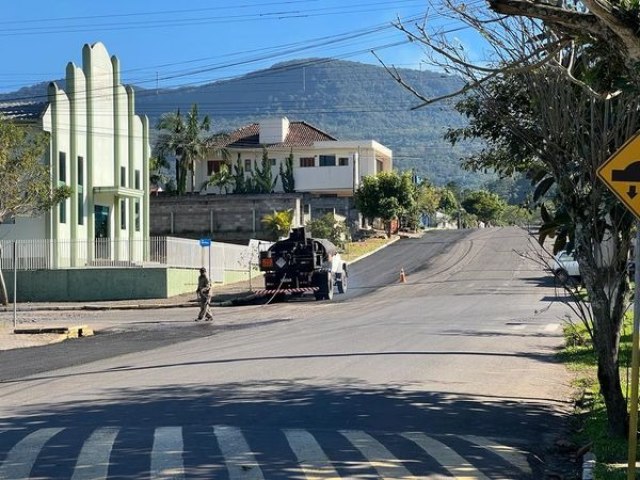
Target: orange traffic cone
[{"x": 403, "y": 277}]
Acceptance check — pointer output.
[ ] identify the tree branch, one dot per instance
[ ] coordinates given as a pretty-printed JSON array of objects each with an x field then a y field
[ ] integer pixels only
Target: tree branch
[{"x": 600, "y": 22}]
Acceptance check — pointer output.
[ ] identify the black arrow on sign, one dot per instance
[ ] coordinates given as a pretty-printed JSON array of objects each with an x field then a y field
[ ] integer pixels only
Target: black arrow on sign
[{"x": 632, "y": 191}]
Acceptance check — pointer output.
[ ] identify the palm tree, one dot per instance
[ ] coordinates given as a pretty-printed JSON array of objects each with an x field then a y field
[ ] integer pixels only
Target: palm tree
[
  {"x": 222, "y": 179},
  {"x": 182, "y": 138},
  {"x": 278, "y": 223}
]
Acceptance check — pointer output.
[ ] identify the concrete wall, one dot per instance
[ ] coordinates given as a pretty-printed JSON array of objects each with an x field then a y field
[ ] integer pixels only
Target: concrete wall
[
  {"x": 221, "y": 217},
  {"x": 233, "y": 217},
  {"x": 92, "y": 285}
]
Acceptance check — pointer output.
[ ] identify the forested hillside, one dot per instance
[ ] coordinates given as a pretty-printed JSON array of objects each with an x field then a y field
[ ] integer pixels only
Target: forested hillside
[{"x": 349, "y": 100}]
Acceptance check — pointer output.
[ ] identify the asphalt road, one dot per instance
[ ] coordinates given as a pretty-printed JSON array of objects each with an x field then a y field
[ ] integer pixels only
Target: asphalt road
[{"x": 450, "y": 375}]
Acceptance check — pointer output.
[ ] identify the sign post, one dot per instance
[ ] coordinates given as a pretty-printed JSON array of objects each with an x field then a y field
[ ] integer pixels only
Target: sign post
[
  {"x": 621, "y": 173},
  {"x": 206, "y": 242}
]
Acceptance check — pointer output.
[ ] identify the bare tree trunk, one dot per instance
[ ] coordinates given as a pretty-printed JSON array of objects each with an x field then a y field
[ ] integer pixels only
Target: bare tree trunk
[
  {"x": 606, "y": 284},
  {"x": 607, "y": 347}
]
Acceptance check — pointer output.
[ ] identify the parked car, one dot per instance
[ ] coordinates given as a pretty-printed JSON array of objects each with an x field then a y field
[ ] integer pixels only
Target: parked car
[{"x": 565, "y": 266}]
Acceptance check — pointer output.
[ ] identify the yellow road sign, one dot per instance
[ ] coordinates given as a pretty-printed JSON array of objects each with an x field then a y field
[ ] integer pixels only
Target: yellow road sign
[{"x": 621, "y": 173}]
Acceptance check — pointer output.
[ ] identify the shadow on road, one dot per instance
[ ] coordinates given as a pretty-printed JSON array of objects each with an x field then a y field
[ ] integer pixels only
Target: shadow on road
[{"x": 263, "y": 410}]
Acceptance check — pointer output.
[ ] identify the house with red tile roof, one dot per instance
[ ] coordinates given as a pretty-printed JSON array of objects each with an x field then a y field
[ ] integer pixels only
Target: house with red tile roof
[{"x": 322, "y": 164}]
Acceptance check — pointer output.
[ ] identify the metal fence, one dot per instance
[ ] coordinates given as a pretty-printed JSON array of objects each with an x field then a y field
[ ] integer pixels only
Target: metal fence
[{"x": 49, "y": 254}]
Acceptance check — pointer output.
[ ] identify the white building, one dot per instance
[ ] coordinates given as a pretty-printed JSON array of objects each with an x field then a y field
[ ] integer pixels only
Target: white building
[
  {"x": 322, "y": 164},
  {"x": 100, "y": 148}
]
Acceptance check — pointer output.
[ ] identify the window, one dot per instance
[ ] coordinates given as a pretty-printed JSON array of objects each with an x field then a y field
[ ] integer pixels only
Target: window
[
  {"x": 123, "y": 176},
  {"x": 136, "y": 180},
  {"x": 214, "y": 166},
  {"x": 80, "y": 171},
  {"x": 343, "y": 161},
  {"x": 62, "y": 210},
  {"x": 80, "y": 209},
  {"x": 79, "y": 195},
  {"x": 272, "y": 162},
  {"x": 62, "y": 167},
  {"x": 247, "y": 164},
  {"x": 123, "y": 214},
  {"x": 327, "y": 160},
  {"x": 8, "y": 220},
  {"x": 136, "y": 208},
  {"x": 307, "y": 162}
]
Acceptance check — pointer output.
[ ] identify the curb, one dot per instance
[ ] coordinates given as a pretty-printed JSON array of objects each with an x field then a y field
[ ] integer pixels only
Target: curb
[
  {"x": 153, "y": 306},
  {"x": 588, "y": 464},
  {"x": 67, "y": 332}
]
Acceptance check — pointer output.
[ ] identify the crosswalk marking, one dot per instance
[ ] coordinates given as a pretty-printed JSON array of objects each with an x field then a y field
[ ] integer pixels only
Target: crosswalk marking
[
  {"x": 445, "y": 456},
  {"x": 241, "y": 464},
  {"x": 511, "y": 455},
  {"x": 313, "y": 461},
  {"x": 385, "y": 463},
  {"x": 93, "y": 460},
  {"x": 22, "y": 456},
  {"x": 166, "y": 455}
]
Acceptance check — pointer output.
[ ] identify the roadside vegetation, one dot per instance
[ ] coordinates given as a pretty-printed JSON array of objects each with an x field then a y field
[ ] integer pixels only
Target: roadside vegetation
[
  {"x": 353, "y": 250},
  {"x": 553, "y": 103},
  {"x": 589, "y": 424}
]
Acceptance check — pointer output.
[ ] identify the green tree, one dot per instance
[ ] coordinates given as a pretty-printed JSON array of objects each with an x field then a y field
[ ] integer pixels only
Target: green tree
[
  {"x": 327, "y": 226},
  {"x": 222, "y": 179},
  {"x": 25, "y": 179},
  {"x": 286, "y": 175},
  {"x": 278, "y": 224},
  {"x": 448, "y": 202},
  {"x": 262, "y": 176},
  {"x": 157, "y": 172},
  {"x": 239, "y": 179},
  {"x": 386, "y": 195},
  {"x": 486, "y": 206},
  {"x": 184, "y": 140},
  {"x": 559, "y": 100}
]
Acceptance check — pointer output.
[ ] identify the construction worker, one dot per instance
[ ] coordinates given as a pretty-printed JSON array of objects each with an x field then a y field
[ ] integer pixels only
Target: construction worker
[{"x": 204, "y": 295}]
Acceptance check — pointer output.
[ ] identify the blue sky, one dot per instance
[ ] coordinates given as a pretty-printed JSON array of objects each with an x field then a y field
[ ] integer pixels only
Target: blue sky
[{"x": 168, "y": 43}]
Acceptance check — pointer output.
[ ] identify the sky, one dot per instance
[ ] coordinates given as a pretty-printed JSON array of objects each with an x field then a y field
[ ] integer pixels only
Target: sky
[{"x": 168, "y": 44}]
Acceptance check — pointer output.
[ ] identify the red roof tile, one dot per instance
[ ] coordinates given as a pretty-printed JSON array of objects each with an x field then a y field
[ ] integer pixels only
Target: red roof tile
[{"x": 301, "y": 134}]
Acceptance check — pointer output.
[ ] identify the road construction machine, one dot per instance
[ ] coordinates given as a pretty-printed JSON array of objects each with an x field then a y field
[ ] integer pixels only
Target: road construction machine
[{"x": 301, "y": 264}]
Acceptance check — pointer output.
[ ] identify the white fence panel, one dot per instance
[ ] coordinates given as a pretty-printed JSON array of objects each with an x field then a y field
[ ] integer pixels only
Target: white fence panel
[{"x": 46, "y": 254}]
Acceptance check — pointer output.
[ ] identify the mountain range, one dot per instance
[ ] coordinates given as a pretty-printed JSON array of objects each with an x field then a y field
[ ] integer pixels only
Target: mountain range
[{"x": 348, "y": 100}]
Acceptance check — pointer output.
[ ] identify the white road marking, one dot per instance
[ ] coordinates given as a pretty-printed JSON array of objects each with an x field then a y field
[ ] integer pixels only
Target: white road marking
[
  {"x": 93, "y": 460},
  {"x": 460, "y": 468},
  {"x": 166, "y": 455},
  {"x": 20, "y": 459},
  {"x": 241, "y": 463},
  {"x": 385, "y": 463},
  {"x": 311, "y": 458},
  {"x": 511, "y": 455}
]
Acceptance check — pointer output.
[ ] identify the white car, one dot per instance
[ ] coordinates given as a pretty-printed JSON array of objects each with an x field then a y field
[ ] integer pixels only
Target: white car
[{"x": 565, "y": 266}]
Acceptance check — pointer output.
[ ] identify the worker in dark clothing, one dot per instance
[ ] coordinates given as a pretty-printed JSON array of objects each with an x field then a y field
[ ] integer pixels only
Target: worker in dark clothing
[{"x": 204, "y": 295}]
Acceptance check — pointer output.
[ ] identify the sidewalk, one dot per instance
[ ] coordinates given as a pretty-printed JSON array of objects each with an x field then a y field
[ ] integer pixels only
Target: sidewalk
[{"x": 73, "y": 314}]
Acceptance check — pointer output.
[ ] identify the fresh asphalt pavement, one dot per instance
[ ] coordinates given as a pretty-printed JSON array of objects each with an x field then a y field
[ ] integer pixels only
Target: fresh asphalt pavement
[{"x": 451, "y": 374}]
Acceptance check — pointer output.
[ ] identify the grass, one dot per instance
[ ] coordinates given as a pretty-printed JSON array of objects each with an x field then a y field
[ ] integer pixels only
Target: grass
[
  {"x": 591, "y": 418},
  {"x": 353, "y": 250}
]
